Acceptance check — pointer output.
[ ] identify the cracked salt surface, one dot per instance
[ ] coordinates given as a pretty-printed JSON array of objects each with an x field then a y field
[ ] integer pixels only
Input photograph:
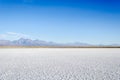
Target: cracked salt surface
[{"x": 59, "y": 64}]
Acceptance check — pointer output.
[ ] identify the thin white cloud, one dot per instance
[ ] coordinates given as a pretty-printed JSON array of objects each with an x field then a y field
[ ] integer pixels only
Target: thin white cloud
[
  {"x": 13, "y": 35},
  {"x": 17, "y": 34}
]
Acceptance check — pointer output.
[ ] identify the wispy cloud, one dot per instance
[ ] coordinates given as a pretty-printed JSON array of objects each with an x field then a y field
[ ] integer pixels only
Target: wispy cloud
[
  {"x": 17, "y": 34},
  {"x": 13, "y": 35}
]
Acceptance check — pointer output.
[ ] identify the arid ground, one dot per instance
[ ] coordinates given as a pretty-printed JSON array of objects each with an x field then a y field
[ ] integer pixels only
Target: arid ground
[{"x": 60, "y": 64}]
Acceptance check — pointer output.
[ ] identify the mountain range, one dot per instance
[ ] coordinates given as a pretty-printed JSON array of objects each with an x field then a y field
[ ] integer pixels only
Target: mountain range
[{"x": 30, "y": 42}]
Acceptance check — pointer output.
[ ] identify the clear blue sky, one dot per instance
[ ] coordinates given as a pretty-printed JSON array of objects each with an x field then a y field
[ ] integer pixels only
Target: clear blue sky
[{"x": 89, "y": 21}]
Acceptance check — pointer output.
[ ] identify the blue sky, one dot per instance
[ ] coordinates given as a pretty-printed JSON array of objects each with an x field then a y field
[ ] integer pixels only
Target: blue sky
[{"x": 88, "y": 21}]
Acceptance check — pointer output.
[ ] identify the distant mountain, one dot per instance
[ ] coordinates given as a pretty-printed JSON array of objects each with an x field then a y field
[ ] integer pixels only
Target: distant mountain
[
  {"x": 29, "y": 42},
  {"x": 5, "y": 42}
]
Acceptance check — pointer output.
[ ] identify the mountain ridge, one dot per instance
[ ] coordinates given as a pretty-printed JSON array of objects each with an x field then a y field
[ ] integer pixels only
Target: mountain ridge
[
  {"x": 37, "y": 42},
  {"x": 30, "y": 42}
]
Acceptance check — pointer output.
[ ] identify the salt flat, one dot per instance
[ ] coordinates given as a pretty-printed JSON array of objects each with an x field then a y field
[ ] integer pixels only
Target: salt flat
[{"x": 60, "y": 64}]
